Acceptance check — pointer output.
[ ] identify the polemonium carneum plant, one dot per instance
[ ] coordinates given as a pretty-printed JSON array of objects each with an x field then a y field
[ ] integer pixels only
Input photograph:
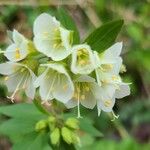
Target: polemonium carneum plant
[
  {"x": 86, "y": 73},
  {"x": 56, "y": 67}
]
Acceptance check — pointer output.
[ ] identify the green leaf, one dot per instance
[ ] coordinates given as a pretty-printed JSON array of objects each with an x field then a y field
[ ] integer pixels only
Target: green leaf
[
  {"x": 22, "y": 110},
  {"x": 104, "y": 36},
  {"x": 86, "y": 125},
  {"x": 16, "y": 128},
  {"x": 68, "y": 23},
  {"x": 33, "y": 141}
]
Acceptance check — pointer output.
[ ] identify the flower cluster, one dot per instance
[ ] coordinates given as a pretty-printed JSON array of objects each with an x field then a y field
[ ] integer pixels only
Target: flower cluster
[{"x": 72, "y": 74}]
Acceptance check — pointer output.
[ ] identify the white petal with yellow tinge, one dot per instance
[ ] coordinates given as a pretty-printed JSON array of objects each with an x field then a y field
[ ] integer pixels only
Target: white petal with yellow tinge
[{"x": 50, "y": 38}]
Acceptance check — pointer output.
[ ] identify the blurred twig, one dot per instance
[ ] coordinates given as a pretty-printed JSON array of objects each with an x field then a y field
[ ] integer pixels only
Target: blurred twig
[
  {"x": 86, "y": 5},
  {"x": 37, "y": 2}
]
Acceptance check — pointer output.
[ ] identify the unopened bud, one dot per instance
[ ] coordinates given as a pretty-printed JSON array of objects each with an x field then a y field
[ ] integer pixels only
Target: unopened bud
[
  {"x": 51, "y": 119},
  {"x": 55, "y": 136},
  {"x": 41, "y": 125},
  {"x": 72, "y": 123},
  {"x": 67, "y": 135}
]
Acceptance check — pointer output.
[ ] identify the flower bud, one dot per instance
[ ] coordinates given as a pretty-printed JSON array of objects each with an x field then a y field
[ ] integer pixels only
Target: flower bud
[
  {"x": 51, "y": 122},
  {"x": 42, "y": 124},
  {"x": 51, "y": 119},
  {"x": 72, "y": 123},
  {"x": 55, "y": 136},
  {"x": 67, "y": 135},
  {"x": 76, "y": 139}
]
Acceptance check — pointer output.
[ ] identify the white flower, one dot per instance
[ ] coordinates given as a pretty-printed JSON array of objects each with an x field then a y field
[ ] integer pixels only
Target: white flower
[
  {"x": 82, "y": 59},
  {"x": 107, "y": 71},
  {"x": 18, "y": 50},
  {"x": 50, "y": 38},
  {"x": 18, "y": 76},
  {"x": 55, "y": 82},
  {"x": 86, "y": 92}
]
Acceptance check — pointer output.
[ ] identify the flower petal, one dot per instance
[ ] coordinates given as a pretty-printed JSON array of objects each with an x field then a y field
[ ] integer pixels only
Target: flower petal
[
  {"x": 44, "y": 23},
  {"x": 71, "y": 103},
  {"x": 17, "y": 37},
  {"x": 89, "y": 100},
  {"x": 7, "y": 68},
  {"x": 114, "y": 51},
  {"x": 63, "y": 88},
  {"x": 106, "y": 104},
  {"x": 124, "y": 90}
]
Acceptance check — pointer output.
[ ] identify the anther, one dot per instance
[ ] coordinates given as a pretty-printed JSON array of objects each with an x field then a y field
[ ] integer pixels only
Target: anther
[
  {"x": 65, "y": 87},
  {"x": 107, "y": 103},
  {"x": 17, "y": 53},
  {"x": 82, "y": 97},
  {"x": 87, "y": 88},
  {"x": 6, "y": 78}
]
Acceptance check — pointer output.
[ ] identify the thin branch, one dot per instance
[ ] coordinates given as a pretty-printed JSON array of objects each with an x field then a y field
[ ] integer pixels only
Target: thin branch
[
  {"x": 90, "y": 12},
  {"x": 35, "y": 3}
]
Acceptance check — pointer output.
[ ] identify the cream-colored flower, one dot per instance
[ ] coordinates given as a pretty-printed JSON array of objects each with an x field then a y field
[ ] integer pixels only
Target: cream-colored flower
[
  {"x": 82, "y": 59},
  {"x": 50, "y": 38},
  {"x": 18, "y": 50},
  {"x": 55, "y": 82},
  {"x": 86, "y": 93},
  {"x": 18, "y": 77},
  {"x": 107, "y": 68}
]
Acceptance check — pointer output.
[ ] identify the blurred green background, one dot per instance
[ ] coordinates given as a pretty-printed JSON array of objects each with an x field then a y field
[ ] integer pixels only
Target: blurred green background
[{"x": 132, "y": 129}]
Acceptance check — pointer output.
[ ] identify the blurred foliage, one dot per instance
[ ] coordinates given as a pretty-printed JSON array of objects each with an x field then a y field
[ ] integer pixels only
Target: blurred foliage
[{"x": 134, "y": 110}]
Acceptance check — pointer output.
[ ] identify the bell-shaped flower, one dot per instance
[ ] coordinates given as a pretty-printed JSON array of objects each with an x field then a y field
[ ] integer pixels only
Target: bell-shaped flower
[
  {"x": 82, "y": 59},
  {"x": 107, "y": 68},
  {"x": 50, "y": 38},
  {"x": 111, "y": 87},
  {"x": 55, "y": 82},
  {"x": 18, "y": 77},
  {"x": 86, "y": 93},
  {"x": 18, "y": 50}
]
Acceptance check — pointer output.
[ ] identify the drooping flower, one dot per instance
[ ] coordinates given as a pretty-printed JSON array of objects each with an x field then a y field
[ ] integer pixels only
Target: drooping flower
[
  {"x": 107, "y": 71},
  {"x": 18, "y": 77},
  {"x": 50, "y": 38},
  {"x": 55, "y": 82},
  {"x": 18, "y": 50},
  {"x": 82, "y": 59},
  {"x": 86, "y": 93}
]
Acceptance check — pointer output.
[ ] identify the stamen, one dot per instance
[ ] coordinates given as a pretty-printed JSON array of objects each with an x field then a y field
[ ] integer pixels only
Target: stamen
[
  {"x": 114, "y": 77},
  {"x": 114, "y": 116},
  {"x": 105, "y": 81},
  {"x": 17, "y": 53},
  {"x": 107, "y": 103},
  {"x": 106, "y": 67},
  {"x": 79, "y": 53},
  {"x": 65, "y": 87},
  {"x": 25, "y": 82},
  {"x": 79, "y": 115},
  {"x": 82, "y": 62},
  {"x": 51, "y": 87},
  {"x": 87, "y": 88},
  {"x": 57, "y": 45},
  {"x": 98, "y": 110},
  {"x": 84, "y": 50},
  {"x": 6, "y": 78},
  {"x": 16, "y": 90}
]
